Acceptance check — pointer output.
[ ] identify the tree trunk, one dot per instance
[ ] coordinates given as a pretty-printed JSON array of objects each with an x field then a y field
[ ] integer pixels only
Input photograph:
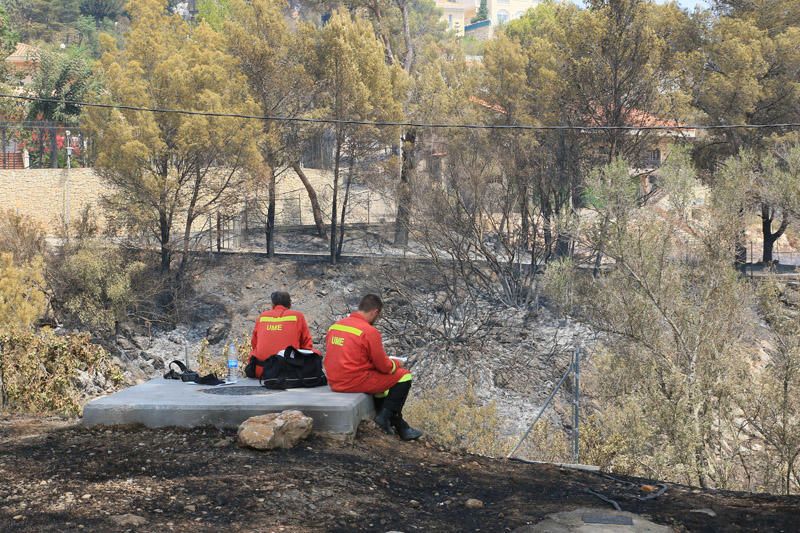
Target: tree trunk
[
  {"x": 766, "y": 232},
  {"x": 166, "y": 253},
  {"x": 547, "y": 230},
  {"x": 53, "y": 149},
  {"x": 187, "y": 232},
  {"x": 601, "y": 246},
  {"x": 563, "y": 244},
  {"x": 344, "y": 207},
  {"x": 404, "y": 200},
  {"x": 336, "y": 164},
  {"x": 408, "y": 61},
  {"x": 525, "y": 216},
  {"x": 271, "y": 214},
  {"x": 312, "y": 196},
  {"x": 2, "y": 378}
]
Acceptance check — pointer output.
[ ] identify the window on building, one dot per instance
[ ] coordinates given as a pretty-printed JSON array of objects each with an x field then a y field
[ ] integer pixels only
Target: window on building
[{"x": 502, "y": 17}]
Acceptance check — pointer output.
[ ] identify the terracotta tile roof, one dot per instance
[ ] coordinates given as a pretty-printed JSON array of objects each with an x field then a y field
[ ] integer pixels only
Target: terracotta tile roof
[
  {"x": 488, "y": 105},
  {"x": 24, "y": 53}
]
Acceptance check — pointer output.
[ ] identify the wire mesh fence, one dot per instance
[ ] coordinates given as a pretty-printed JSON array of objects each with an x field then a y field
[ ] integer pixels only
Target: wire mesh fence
[{"x": 39, "y": 144}]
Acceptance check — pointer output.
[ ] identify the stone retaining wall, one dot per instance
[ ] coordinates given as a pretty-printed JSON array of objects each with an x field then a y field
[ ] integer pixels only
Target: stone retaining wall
[{"x": 50, "y": 195}]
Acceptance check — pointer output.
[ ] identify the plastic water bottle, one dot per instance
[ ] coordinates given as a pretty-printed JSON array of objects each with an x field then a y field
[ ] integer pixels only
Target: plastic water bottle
[{"x": 233, "y": 365}]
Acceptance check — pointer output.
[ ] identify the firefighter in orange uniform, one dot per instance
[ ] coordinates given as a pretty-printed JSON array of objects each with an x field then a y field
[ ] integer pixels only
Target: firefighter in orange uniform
[
  {"x": 277, "y": 329},
  {"x": 355, "y": 361}
]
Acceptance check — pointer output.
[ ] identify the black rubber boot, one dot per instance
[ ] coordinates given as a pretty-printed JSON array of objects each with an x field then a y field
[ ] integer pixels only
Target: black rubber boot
[
  {"x": 396, "y": 398},
  {"x": 405, "y": 431},
  {"x": 384, "y": 421}
]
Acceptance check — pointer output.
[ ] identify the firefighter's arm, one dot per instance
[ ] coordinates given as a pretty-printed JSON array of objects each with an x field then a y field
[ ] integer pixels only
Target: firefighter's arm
[
  {"x": 377, "y": 354},
  {"x": 254, "y": 339},
  {"x": 306, "y": 343}
]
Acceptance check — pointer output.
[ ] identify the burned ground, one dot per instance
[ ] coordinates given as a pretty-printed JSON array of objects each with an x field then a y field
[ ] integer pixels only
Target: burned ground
[{"x": 57, "y": 474}]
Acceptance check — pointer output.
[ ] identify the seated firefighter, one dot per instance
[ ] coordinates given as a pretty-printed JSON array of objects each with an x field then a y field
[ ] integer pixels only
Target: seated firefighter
[
  {"x": 276, "y": 330},
  {"x": 355, "y": 361}
]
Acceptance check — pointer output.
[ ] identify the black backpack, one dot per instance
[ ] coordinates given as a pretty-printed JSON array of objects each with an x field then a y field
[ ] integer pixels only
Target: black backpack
[{"x": 291, "y": 370}]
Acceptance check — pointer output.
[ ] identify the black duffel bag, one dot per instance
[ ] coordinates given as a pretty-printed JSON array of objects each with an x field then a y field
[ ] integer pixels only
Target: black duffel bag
[{"x": 294, "y": 369}]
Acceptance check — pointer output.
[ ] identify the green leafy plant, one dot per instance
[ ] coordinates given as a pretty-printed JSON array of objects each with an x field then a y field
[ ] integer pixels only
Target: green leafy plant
[{"x": 40, "y": 373}]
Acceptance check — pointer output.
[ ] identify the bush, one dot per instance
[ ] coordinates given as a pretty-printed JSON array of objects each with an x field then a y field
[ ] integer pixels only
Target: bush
[
  {"x": 458, "y": 421},
  {"x": 47, "y": 373},
  {"x": 22, "y": 300},
  {"x": 94, "y": 285},
  {"x": 22, "y": 237}
]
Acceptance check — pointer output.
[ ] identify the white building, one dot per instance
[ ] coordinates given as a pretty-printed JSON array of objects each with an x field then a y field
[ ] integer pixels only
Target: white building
[
  {"x": 459, "y": 13},
  {"x": 503, "y": 11}
]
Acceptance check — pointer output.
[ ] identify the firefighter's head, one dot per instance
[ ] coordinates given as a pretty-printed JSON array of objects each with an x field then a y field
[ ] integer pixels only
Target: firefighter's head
[
  {"x": 281, "y": 298},
  {"x": 371, "y": 307}
]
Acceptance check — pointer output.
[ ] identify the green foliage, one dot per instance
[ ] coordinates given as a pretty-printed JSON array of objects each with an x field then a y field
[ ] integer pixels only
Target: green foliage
[
  {"x": 679, "y": 179},
  {"x": 39, "y": 372},
  {"x": 681, "y": 326},
  {"x": 170, "y": 169},
  {"x": 559, "y": 285},
  {"x": 472, "y": 46},
  {"x": 103, "y": 9},
  {"x": 214, "y": 12},
  {"x": 64, "y": 76},
  {"x": 22, "y": 299},
  {"x": 95, "y": 284},
  {"x": 48, "y": 20},
  {"x": 771, "y": 405},
  {"x": 457, "y": 419},
  {"x": 482, "y": 14},
  {"x": 8, "y": 34}
]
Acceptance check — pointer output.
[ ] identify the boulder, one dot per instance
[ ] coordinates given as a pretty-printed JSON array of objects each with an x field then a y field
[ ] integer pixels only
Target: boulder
[
  {"x": 275, "y": 430},
  {"x": 217, "y": 332},
  {"x": 128, "y": 520},
  {"x": 126, "y": 344},
  {"x": 473, "y": 503}
]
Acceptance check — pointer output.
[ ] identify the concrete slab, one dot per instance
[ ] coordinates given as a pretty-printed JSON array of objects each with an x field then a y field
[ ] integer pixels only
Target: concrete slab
[{"x": 165, "y": 402}]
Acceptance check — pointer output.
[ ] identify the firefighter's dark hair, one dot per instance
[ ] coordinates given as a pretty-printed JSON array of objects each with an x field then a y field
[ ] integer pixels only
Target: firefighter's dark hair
[
  {"x": 370, "y": 302},
  {"x": 281, "y": 298}
]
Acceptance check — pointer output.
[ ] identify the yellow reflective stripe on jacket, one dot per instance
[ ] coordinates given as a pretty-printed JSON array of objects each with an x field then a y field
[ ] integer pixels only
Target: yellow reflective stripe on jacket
[
  {"x": 347, "y": 329},
  {"x": 407, "y": 377},
  {"x": 394, "y": 366},
  {"x": 287, "y": 318}
]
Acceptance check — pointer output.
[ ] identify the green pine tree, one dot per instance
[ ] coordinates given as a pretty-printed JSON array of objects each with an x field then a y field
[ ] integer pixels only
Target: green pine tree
[{"x": 482, "y": 14}]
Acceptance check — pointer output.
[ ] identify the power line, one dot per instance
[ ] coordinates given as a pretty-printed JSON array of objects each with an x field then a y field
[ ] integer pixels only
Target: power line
[{"x": 421, "y": 125}]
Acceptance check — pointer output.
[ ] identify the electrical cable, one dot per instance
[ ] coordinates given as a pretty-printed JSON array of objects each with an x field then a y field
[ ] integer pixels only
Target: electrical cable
[{"x": 421, "y": 125}]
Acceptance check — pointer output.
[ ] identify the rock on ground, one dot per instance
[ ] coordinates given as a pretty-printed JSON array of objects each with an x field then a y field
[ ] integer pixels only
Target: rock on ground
[
  {"x": 129, "y": 520},
  {"x": 275, "y": 430}
]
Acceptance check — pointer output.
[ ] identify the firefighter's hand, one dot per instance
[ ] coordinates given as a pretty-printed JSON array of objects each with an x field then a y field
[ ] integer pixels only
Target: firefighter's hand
[{"x": 398, "y": 361}]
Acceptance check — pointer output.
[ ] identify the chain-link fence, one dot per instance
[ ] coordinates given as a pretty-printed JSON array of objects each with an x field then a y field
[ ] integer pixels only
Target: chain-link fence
[{"x": 37, "y": 144}]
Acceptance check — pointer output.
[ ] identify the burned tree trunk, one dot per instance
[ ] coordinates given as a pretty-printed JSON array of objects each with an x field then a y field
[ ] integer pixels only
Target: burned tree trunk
[{"x": 404, "y": 196}]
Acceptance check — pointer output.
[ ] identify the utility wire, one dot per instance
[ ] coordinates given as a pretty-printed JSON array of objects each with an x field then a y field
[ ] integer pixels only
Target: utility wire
[{"x": 421, "y": 125}]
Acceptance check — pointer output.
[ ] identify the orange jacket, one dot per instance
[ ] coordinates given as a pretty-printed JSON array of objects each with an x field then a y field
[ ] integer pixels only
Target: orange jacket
[
  {"x": 278, "y": 328},
  {"x": 354, "y": 354}
]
